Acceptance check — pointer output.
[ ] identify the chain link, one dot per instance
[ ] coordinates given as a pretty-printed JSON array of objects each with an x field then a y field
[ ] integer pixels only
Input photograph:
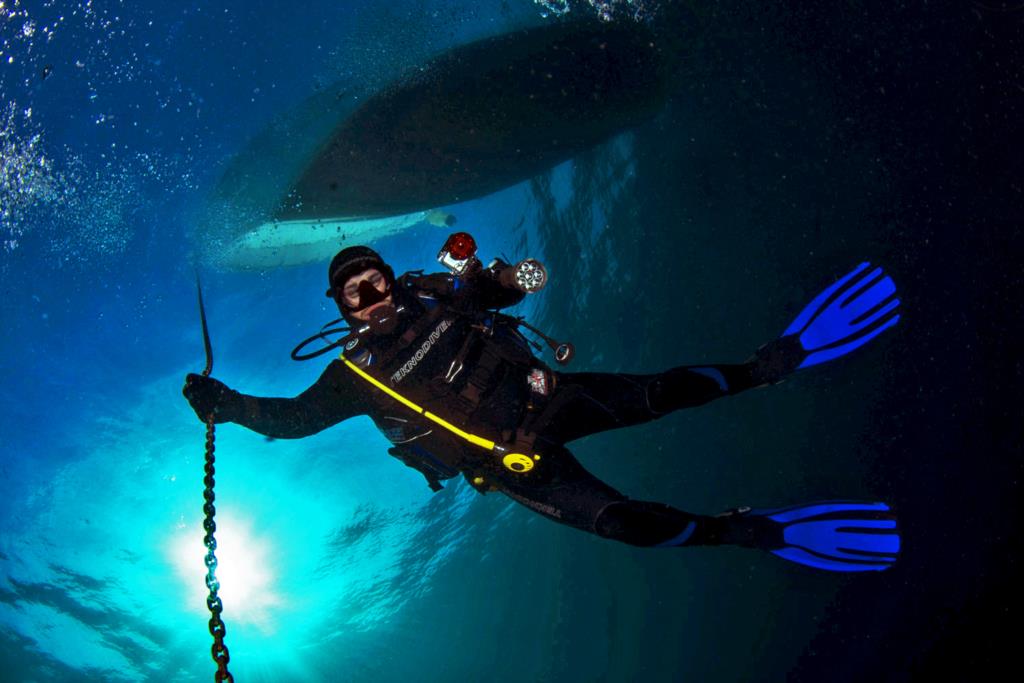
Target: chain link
[{"x": 218, "y": 630}]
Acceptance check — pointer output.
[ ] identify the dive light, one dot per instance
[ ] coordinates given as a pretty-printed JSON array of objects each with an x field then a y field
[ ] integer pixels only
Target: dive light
[
  {"x": 459, "y": 256},
  {"x": 459, "y": 253},
  {"x": 527, "y": 276}
]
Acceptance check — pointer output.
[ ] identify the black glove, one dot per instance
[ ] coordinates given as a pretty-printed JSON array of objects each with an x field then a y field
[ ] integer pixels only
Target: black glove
[
  {"x": 209, "y": 396},
  {"x": 776, "y": 359}
]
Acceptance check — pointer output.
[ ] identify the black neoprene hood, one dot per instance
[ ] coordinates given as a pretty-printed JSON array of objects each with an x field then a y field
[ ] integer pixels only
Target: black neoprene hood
[{"x": 352, "y": 261}]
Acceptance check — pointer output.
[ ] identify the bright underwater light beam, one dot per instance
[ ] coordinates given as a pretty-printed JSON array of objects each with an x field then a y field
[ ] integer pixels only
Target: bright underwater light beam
[{"x": 245, "y": 570}]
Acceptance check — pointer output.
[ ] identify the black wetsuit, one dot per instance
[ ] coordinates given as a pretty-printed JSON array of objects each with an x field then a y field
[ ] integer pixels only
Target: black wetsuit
[{"x": 458, "y": 358}]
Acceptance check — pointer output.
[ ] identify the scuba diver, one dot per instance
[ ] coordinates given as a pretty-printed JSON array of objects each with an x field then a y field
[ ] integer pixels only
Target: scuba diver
[{"x": 456, "y": 388}]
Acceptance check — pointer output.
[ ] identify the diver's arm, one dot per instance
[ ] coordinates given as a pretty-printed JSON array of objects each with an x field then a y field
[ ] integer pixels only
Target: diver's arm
[
  {"x": 481, "y": 289},
  {"x": 494, "y": 287},
  {"x": 330, "y": 400}
]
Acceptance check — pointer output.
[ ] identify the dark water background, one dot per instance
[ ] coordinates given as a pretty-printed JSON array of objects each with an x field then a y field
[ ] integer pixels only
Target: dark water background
[{"x": 799, "y": 141}]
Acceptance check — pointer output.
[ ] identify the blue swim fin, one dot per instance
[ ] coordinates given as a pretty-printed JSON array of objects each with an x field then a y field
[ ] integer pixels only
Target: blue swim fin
[
  {"x": 845, "y": 316},
  {"x": 840, "y": 536}
]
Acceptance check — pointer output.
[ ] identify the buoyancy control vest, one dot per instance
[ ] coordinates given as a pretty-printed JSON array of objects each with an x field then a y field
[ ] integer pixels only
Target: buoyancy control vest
[{"x": 466, "y": 369}]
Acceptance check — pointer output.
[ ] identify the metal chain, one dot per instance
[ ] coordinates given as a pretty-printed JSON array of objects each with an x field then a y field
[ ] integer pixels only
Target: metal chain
[{"x": 218, "y": 630}]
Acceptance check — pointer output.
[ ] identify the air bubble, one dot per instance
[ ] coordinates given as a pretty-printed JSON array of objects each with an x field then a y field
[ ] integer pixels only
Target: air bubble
[{"x": 606, "y": 10}]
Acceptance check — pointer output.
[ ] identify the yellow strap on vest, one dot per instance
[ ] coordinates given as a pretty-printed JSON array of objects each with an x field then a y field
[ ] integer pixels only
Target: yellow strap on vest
[{"x": 517, "y": 462}]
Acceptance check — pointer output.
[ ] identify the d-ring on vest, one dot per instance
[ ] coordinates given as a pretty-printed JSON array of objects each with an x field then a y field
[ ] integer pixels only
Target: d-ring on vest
[{"x": 520, "y": 463}]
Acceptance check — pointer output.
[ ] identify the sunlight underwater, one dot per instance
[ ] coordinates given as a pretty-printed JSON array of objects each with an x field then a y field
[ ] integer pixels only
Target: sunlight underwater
[{"x": 126, "y": 599}]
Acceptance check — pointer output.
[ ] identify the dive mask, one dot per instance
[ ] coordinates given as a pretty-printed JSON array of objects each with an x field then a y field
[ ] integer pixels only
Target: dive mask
[{"x": 365, "y": 293}]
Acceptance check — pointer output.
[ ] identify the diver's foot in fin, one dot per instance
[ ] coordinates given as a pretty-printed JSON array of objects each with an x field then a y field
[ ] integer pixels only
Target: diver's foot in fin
[
  {"x": 844, "y": 317},
  {"x": 840, "y": 536}
]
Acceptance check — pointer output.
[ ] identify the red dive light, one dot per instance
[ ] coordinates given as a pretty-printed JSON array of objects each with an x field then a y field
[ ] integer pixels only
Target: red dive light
[
  {"x": 458, "y": 253},
  {"x": 460, "y": 245}
]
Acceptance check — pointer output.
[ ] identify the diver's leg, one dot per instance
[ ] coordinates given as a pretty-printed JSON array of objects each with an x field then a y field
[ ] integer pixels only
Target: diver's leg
[
  {"x": 562, "y": 490},
  {"x": 688, "y": 386},
  {"x": 846, "y": 536},
  {"x": 603, "y": 401}
]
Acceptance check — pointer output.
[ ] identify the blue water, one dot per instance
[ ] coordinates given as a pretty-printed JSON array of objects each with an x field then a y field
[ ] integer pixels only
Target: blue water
[{"x": 797, "y": 142}]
